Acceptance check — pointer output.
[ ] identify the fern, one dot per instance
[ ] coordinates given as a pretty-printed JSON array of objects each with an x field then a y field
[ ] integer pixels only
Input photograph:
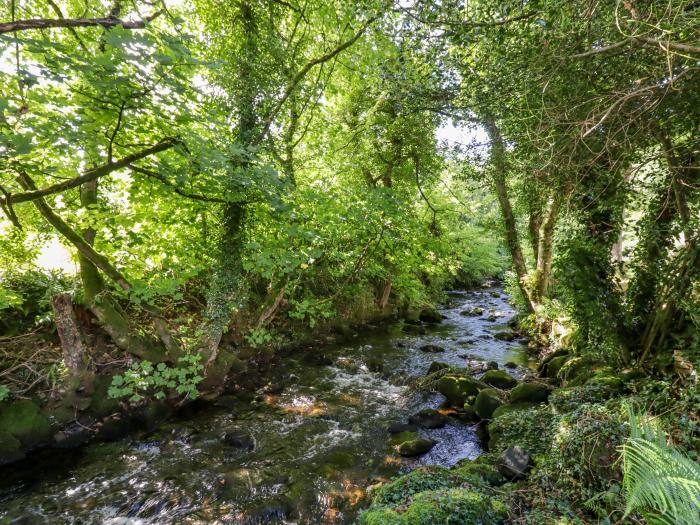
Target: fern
[{"x": 659, "y": 482}]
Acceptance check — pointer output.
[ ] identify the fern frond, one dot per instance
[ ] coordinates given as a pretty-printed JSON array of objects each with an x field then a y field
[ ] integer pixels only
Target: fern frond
[{"x": 659, "y": 481}]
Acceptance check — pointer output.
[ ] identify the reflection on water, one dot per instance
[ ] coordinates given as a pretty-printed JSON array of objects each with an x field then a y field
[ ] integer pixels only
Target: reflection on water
[{"x": 304, "y": 452}]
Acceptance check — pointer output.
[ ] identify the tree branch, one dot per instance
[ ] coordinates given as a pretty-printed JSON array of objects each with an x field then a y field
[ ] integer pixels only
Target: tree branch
[
  {"x": 299, "y": 76},
  {"x": 161, "y": 178},
  {"x": 74, "y": 238},
  {"x": 91, "y": 174},
  {"x": 42, "y": 23}
]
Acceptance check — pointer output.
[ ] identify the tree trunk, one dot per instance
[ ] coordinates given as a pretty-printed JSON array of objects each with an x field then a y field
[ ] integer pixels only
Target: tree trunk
[
  {"x": 545, "y": 249},
  {"x": 498, "y": 175},
  {"x": 74, "y": 352}
]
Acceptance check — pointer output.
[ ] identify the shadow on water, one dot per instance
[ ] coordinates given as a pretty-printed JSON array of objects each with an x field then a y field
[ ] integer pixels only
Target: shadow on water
[{"x": 303, "y": 452}]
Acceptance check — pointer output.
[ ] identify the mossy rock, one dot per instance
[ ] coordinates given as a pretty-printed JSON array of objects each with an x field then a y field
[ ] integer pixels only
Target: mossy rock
[
  {"x": 553, "y": 355},
  {"x": 415, "y": 447},
  {"x": 577, "y": 370},
  {"x": 457, "y": 389},
  {"x": 101, "y": 405},
  {"x": 469, "y": 412},
  {"x": 402, "y": 437},
  {"x": 506, "y": 335},
  {"x": 455, "y": 505},
  {"x": 555, "y": 365},
  {"x": 512, "y": 407},
  {"x": 610, "y": 383},
  {"x": 10, "y": 448},
  {"x": 430, "y": 315},
  {"x": 487, "y": 402},
  {"x": 23, "y": 420},
  {"x": 529, "y": 392},
  {"x": 432, "y": 477},
  {"x": 436, "y": 366},
  {"x": 499, "y": 379},
  {"x": 483, "y": 472}
]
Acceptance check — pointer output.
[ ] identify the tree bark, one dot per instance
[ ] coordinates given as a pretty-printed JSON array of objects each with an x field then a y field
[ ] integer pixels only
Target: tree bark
[
  {"x": 498, "y": 176},
  {"x": 545, "y": 249},
  {"x": 74, "y": 352}
]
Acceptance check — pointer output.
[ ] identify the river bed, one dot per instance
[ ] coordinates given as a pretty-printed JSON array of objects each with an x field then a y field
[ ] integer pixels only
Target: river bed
[{"x": 318, "y": 430}]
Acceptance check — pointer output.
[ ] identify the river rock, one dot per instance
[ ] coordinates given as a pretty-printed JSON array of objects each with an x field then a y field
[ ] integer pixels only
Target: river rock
[
  {"x": 415, "y": 447},
  {"x": 10, "y": 448},
  {"x": 472, "y": 312},
  {"x": 554, "y": 366},
  {"x": 430, "y": 315},
  {"x": 432, "y": 349},
  {"x": 492, "y": 365},
  {"x": 486, "y": 403},
  {"x": 375, "y": 364},
  {"x": 413, "y": 329},
  {"x": 506, "y": 335},
  {"x": 428, "y": 418},
  {"x": 437, "y": 365},
  {"x": 457, "y": 389},
  {"x": 499, "y": 379},
  {"x": 72, "y": 436},
  {"x": 23, "y": 420},
  {"x": 399, "y": 426},
  {"x": 514, "y": 463},
  {"x": 542, "y": 367},
  {"x": 512, "y": 407},
  {"x": 239, "y": 438},
  {"x": 511, "y": 364},
  {"x": 529, "y": 392}
]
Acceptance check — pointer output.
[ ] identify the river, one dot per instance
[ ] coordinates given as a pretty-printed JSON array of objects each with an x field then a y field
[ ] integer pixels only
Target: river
[{"x": 317, "y": 431}]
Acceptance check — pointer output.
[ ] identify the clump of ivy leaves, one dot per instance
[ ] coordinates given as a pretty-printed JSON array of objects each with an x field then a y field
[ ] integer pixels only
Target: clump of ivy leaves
[{"x": 145, "y": 379}]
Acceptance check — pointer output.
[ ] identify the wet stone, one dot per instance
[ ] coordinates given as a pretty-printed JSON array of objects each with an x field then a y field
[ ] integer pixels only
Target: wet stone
[
  {"x": 398, "y": 426},
  {"x": 238, "y": 438},
  {"x": 415, "y": 447},
  {"x": 428, "y": 418},
  {"x": 432, "y": 349}
]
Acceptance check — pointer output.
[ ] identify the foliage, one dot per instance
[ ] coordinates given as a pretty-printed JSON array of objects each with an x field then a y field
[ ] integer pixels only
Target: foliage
[
  {"x": 659, "y": 481},
  {"x": 144, "y": 379}
]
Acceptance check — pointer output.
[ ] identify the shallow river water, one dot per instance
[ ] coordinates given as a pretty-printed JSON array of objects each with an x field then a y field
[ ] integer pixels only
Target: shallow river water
[{"x": 319, "y": 432}]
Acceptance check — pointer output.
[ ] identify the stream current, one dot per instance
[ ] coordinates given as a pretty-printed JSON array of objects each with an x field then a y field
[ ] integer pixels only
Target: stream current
[{"x": 318, "y": 437}]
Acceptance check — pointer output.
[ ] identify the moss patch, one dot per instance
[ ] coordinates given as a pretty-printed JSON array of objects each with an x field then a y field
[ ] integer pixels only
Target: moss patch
[
  {"x": 441, "y": 506},
  {"x": 25, "y": 423}
]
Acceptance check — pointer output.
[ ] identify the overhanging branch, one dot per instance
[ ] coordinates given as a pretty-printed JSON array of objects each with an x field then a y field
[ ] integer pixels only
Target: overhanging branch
[
  {"x": 43, "y": 23},
  {"x": 91, "y": 174}
]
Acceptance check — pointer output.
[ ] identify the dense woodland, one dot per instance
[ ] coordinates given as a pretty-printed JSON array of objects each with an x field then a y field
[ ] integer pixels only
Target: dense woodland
[{"x": 236, "y": 178}]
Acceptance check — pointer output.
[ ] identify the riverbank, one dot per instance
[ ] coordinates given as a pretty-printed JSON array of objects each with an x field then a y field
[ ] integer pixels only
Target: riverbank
[{"x": 552, "y": 451}]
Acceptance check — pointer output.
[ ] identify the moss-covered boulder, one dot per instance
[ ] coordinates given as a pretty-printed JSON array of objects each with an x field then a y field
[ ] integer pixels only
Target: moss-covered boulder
[
  {"x": 401, "y": 437},
  {"x": 542, "y": 367},
  {"x": 555, "y": 365},
  {"x": 456, "y": 505},
  {"x": 511, "y": 407},
  {"x": 436, "y": 366},
  {"x": 428, "y": 418},
  {"x": 415, "y": 447},
  {"x": 499, "y": 379},
  {"x": 610, "y": 383},
  {"x": 529, "y": 392},
  {"x": 101, "y": 405},
  {"x": 487, "y": 402},
  {"x": 430, "y": 316},
  {"x": 468, "y": 411},
  {"x": 457, "y": 389},
  {"x": 484, "y": 473},
  {"x": 506, "y": 335},
  {"x": 10, "y": 448},
  {"x": 23, "y": 420},
  {"x": 421, "y": 479}
]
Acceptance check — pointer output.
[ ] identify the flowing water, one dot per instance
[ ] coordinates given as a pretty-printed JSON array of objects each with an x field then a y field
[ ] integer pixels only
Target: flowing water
[{"x": 319, "y": 433}]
